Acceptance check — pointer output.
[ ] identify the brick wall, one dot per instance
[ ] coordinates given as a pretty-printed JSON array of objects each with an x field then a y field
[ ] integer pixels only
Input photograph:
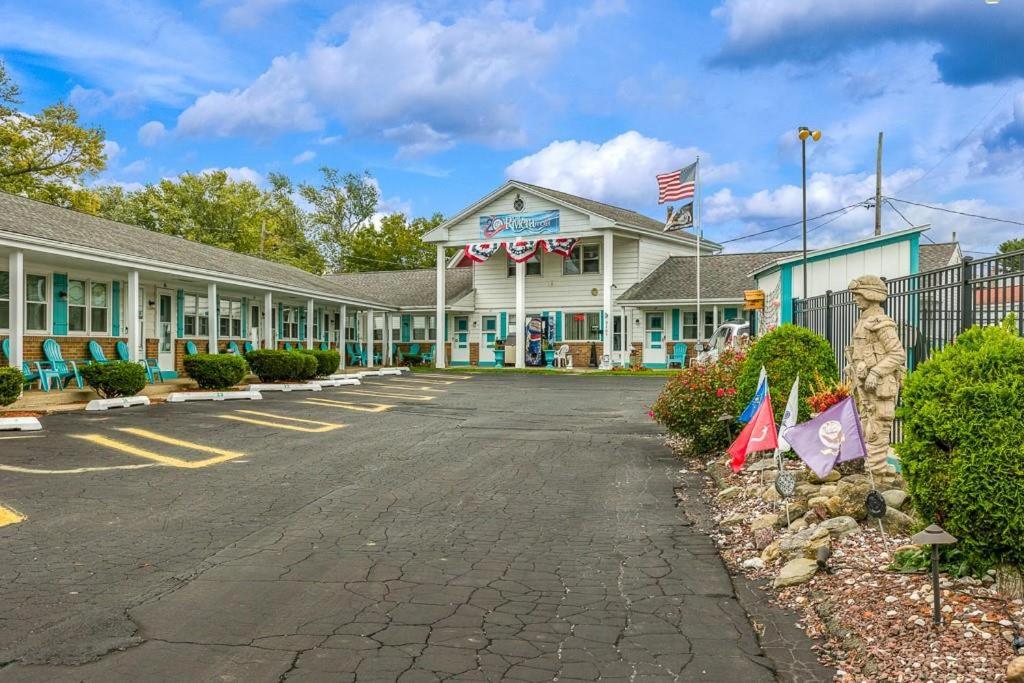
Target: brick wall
[{"x": 72, "y": 348}]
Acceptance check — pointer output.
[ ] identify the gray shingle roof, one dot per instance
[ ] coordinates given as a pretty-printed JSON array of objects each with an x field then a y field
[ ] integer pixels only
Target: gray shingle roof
[
  {"x": 722, "y": 276},
  {"x": 932, "y": 256},
  {"x": 43, "y": 221},
  {"x": 613, "y": 213},
  {"x": 407, "y": 288}
]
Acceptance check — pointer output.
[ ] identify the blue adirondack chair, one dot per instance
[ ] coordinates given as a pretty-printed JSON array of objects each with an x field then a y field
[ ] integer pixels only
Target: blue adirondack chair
[
  {"x": 27, "y": 374},
  {"x": 678, "y": 356},
  {"x": 247, "y": 346},
  {"x": 233, "y": 348},
  {"x": 428, "y": 355},
  {"x": 55, "y": 367},
  {"x": 190, "y": 348},
  {"x": 152, "y": 366}
]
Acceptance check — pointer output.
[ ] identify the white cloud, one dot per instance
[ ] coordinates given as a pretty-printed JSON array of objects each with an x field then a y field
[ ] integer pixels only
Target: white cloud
[
  {"x": 417, "y": 139},
  {"x": 619, "y": 171},
  {"x": 303, "y": 157},
  {"x": 250, "y": 13},
  {"x": 152, "y": 133},
  {"x": 389, "y": 67},
  {"x": 111, "y": 149},
  {"x": 136, "y": 167},
  {"x": 93, "y": 101},
  {"x": 239, "y": 174}
]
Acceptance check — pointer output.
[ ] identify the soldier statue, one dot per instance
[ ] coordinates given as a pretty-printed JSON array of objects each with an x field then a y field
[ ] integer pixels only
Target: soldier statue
[{"x": 875, "y": 363}]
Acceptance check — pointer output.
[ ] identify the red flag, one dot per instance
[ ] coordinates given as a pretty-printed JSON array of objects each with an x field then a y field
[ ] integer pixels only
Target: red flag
[{"x": 758, "y": 435}]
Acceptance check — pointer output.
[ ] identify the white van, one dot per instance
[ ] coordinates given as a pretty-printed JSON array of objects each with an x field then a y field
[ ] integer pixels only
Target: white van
[{"x": 730, "y": 335}]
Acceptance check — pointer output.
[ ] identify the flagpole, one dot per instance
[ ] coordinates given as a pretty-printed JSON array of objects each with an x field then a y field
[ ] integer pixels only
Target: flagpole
[{"x": 699, "y": 221}]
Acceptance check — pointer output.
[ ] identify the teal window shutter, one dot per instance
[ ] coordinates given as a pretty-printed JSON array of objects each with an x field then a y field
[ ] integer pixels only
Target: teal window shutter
[
  {"x": 406, "y": 328},
  {"x": 181, "y": 313},
  {"x": 558, "y": 325},
  {"x": 503, "y": 325},
  {"x": 675, "y": 324},
  {"x": 446, "y": 326},
  {"x": 115, "y": 305},
  {"x": 280, "y": 320},
  {"x": 60, "y": 304},
  {"x": 245, "y": 317},
  {"x": 302, "y": 324}
]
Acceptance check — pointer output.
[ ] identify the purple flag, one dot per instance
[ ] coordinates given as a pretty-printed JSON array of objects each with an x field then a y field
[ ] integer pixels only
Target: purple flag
[{"x": 832, "y": 437}]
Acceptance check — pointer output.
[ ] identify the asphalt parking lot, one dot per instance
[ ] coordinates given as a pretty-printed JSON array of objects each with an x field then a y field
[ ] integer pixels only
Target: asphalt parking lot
[{"x": 415, "y": 528}]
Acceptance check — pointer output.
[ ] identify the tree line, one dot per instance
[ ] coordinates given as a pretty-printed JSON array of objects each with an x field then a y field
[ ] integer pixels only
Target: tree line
[{"x": 329, "y": 226}]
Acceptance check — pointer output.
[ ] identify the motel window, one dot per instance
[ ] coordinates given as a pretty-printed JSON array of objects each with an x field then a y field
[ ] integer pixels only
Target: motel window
[
  {"x": 36, "y": 315},
  {"x": 378, "y": 327},
  {"x": 689, "y": 324},
  {"x": 88, "y": 307},
  {"x": 290, "y": 323},
  {"x": 585, "y": 258},
  {"x": 350, "y": 327},
  {"x": 5, "y": 300},
  {"x": 196, "y": 316},
  {"x": 99, "y": 308},
  {"x": 582, "y": 327},
  {"x": 423, "y": 328},
  {"x": 532, "y": 266},
  {"x": 230, "y": 318},
  {"x": 709, "y": 323}
]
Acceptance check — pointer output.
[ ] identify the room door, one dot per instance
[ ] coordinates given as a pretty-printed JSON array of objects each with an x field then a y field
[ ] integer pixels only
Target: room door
[
  {"x": 488, "y": 334},
  {"x": 165, "y": 328},
  {"x": 654, "y": 339},
  {"x": 255, "y": 327},
  {"x": 460, "y": 344}
]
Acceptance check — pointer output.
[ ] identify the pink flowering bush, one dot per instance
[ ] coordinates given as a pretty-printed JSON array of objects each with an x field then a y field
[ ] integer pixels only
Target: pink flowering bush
[{"x": 692, "y": 402}]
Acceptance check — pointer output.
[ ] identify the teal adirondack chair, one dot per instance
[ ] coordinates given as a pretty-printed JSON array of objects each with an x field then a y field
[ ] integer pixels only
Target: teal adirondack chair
[
  {"x": 287, "y": 346},
  {"x": 190, "y": 349},
  {"x": 55, "y": 367},
  {"x": 152, "y": 365},
  {"x": 324, "y": 346},
  {"x": 428, "y": 355},
  {"x": 678, "y": 356},
  {"x": 27, "y": 374},
  {"x": 233, "y": 348},
  {"x": 247, "y": 346},
  {"x": 413, "y": 354},
  {"x": 96, "y": 351},
  {"x": 355, "y": 354},
  {"x": 396, "y": 353}
]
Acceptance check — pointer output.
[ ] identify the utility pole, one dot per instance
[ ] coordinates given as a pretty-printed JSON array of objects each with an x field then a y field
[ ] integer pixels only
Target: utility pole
[{"x": 878, "y": 187}]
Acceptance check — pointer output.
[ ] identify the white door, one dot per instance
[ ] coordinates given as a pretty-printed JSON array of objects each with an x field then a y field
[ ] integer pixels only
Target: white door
[
  {"x": 460, "y": 343},
  {"x": 255, "y": 327},
  {"x": 618, "y": 338},
  {"x": 654, "y": 339},
  {"x": 165, "y": 328},
  {"x": 488, "y": 335}
]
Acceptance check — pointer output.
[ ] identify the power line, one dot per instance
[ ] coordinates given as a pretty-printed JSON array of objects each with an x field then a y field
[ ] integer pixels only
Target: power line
[
  {"x": 789, "y": 225},
  {"x": 959, "y": 213},
  {"x": 820, "y": 225},
  {"x": 893, "y": 207}
]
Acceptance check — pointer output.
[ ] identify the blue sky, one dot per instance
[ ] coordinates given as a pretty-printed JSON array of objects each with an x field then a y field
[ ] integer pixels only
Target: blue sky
[{"x": 442, "y": 101}]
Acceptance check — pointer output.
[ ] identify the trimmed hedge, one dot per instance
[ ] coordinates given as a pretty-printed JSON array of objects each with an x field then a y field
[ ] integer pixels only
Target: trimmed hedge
[
  {"x": 785, "y": 352},
  {"x": 963, "y": 443},
  {"x": 216, "y": 371},
  {"x": 274, "y": 365},
  {"x": 114, "y": 379},
  {"x": 327, "y": 362},
  {"x": 11, "y": 381}
]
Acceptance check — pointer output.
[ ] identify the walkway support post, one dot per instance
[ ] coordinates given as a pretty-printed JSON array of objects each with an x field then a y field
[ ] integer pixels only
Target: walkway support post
[
  {"x": 368, "y": 348},
  {"x": 213, "y": 312},
  {"x": 440, "y": 349},
  {"x": 310, "y": 319},
  {"x": 607, "y": 259},
  {"x": 16, "y": 293},
  {"x": 385, "y": 353},
  {"x": 342, "y": 325},
  {"x": 268, "y": 321},
  {"x": 134, "y": 314},
  {"x": 520, "y": 329}
]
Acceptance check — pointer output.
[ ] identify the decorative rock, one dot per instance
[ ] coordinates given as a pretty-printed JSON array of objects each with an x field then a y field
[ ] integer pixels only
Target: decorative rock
[
  {"x": 804, "y": 543},
  {"x": 830, "y": 477},
  {"x": 840, "y": 527},
  {"x": 731, "y": 492},
  {"x": 896, "y": 522},
  {"x": 1015, "y": 672},
  {"x": 807, "y": 490},
  {"x": 766, "y": 464},
  {"x": 820, "y": 513},
  {"x": 894, "y": 498},
  {"x": 818, "y": 500},
  {"x": 795, "y": 572},
  {"x": 753, "y": 563},
  {"x": 732, "y": 520},
  {"x": 798, "y": 525},
  {"x": 764, "y": 521},
  {"x": 763, "y": 537},
  {"x": 811, "y": 517},
  {"x": 828, "y": 490},
  {"x": 771, "y": 552},
  {"x": 849, "y": 499},
  {"x": 771, "y": 495}
]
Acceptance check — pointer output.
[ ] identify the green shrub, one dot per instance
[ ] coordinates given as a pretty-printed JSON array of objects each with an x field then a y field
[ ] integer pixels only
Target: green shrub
[
  {"x": 963, "y": 443},
  {"x": 785, "y": 352},
  {"x": 692, "y": 402},
  {"x": 115, "y": 379},
  {"x": 327, "y": 361},
  {"x": 273, "y": 365},
  {"x": 11, "y": 381},
  {"x": 216, "y": 371}
]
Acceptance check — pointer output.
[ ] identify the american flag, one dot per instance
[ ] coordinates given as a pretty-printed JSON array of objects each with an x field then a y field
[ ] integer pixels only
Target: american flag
[{"x": 677, "y": 184}]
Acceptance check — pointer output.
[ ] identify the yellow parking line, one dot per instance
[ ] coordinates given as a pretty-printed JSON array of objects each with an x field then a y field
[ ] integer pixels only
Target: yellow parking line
[
  {"x": 381, "y": 394},
  {"x": 323, "y": 426},
  {"x": 171, "y": 441},
  {"x": 101, "y": 440},
  {"x": 358, "y": 407},
  {"x": 9, "y": 516}
]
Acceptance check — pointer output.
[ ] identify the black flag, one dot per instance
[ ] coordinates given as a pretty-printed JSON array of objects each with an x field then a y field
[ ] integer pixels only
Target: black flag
[{"x": 681, "y": 219}]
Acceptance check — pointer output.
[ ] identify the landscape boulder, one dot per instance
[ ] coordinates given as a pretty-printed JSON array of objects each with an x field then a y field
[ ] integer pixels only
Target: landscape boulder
[
  {"x": 894, "y": 498},
  {"x": 795, "y": 572},
  {"x": 840, "y": 527},
  {"x": 804, "y": 543}
]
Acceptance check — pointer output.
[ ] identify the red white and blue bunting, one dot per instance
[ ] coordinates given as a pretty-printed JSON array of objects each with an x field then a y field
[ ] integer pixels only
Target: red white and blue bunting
[
  {"x": 521, "y": 250},
  {"x": 562, "y": 246},
  {"x": 479, "y": 253}
]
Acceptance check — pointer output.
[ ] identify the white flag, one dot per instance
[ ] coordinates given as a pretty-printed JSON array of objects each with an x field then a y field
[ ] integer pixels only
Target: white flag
[{"x": 789, "y": 417}]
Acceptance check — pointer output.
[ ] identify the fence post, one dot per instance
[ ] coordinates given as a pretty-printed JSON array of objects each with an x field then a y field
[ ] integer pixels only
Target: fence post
[
  {"x": 828, "y": 316},
  {"x": 966, "y": 295},
  {"x": 795, "y": 312}
]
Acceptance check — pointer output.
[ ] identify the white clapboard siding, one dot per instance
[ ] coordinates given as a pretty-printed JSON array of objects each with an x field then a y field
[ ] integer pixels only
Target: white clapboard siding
[
  {"x": 836, "y": 272},
  {"x": 653, "y": 254}
]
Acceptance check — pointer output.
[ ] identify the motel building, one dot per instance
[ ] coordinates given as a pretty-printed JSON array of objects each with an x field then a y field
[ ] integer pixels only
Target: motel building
[
  {"x": 602, "y": 276},
  {"x": 77, "y": 278}
]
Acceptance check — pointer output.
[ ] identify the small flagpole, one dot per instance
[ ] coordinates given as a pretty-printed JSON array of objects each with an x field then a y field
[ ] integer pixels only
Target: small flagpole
[{"x": 699, "y": 221}]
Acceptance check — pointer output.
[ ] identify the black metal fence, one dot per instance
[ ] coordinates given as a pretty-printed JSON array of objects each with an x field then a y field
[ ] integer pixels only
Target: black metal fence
[{"x": 930, "y": 308}]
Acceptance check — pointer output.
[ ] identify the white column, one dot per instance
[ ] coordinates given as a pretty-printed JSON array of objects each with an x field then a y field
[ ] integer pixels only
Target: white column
[
  {"x": 440, "y": 353},
  {"x": 521, "y": 315},
  {"x": 213, "y": 311},
  {"x": 369, "y": 338},
  {"x": 134, "y": 315},
  {"x": 16, "y": 292},
  {"x": 386, "y": 353},
  {"x": 606, "y": 265},
  {"x": 341, "y": 335},
  {"x": 268, "y": 321},
  {"x": 310, "y": 313}
]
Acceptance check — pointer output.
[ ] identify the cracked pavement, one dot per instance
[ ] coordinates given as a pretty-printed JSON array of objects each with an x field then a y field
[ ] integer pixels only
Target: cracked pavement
[{"x": 514, "y": 528}]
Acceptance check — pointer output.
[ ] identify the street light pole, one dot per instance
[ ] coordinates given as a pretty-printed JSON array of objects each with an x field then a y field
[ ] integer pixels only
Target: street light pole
[{"x": 803, "y": 132}]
